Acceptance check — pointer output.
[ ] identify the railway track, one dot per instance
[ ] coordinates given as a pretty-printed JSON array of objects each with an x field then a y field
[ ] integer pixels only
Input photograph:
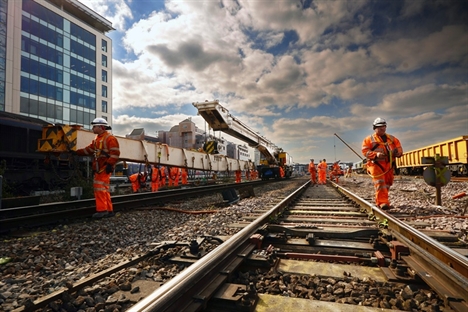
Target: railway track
[
  {"x": 334, "y": 233},
  {"x": 320, "y": 248},
  {"x": 53, "y": 213}
]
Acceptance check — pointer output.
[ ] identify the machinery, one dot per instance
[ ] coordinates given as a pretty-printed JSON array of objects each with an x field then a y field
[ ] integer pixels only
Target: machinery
[
  {"x": 58, "y": 139},
  {"x": 275, "y": 163}
]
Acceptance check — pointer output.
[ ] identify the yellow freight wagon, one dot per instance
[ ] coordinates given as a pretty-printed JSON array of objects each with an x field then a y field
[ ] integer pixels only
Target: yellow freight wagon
[{"x": 455, "y": 149}]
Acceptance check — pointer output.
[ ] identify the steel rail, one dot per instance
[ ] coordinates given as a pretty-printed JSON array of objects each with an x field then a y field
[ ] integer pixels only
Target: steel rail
[
  {"x": 441, "y": 262},
  {"x": 167, "y": 295},
  {"x": 44, "y": 214}
]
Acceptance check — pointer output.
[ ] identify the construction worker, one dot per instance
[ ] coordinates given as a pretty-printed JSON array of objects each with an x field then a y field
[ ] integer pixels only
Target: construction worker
[
  {"x": 335, "y": 172},
  {"x": 313, "y": 172},
  {"x": 135, "y": 182},
  {"x": 162, "y": 175},
  {"x": 174, "y": 175},
  {"x": 138, "y": 181},
  {"x": 154, "y": 179},
  {"x": 349, "y": 172},
  {"x": 105, "y": 152},
  {"x": 381, "y": 149},
  {"x": 238, "y": 176},
  {"x": 184, "y": 176},
  {"x": 322, "y": 172}
]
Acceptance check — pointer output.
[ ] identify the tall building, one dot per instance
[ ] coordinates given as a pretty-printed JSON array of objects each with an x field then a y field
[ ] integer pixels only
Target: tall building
[{"x": 55, "y": 61}]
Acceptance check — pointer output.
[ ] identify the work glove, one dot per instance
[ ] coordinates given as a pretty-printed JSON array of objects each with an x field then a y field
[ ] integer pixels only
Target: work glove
[
  {"x": 109, "y": 168},
  {"x": 396, "y": 153}
]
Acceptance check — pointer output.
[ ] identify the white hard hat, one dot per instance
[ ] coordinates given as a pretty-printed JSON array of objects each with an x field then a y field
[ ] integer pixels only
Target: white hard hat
[
  {"x": 379, "y": 122},
  {"x": 100, "y": 122}
]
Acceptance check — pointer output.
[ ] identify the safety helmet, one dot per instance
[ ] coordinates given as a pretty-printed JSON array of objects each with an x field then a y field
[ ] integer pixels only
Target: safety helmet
[
  {"x": 379, "y": 122},
  {"x": 100, "y": 122}
]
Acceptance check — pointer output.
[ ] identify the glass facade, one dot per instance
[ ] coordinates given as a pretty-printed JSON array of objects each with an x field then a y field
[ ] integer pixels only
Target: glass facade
[
  {"x": 58, "y": 67},
  {"x": 3, "y": 40}
]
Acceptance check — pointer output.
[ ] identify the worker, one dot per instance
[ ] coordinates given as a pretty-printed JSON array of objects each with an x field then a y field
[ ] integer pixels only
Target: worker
[
  {"x": 349, "y": 172},
  {"x": 254, "y": 174},
  {"x": 313, "y": 172},
  {"x": 238, "y": 176},
  {"x": 154, "y": 179},
  {"x": 184, "y": 176},
  {"x": 335, "y": 172},
  {"x": 322, "y": 172},
  {"x": 381, "y": 149},
  {"x": 174, "y": 175},
  {"x": 135, "y": 181},
  {"x": 105, "y": 152},
  {"x": 138, "y": 181},
  {"x": 162, "y": 175}
]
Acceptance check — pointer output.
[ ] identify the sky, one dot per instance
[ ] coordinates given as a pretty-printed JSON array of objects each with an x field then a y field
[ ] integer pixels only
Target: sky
[{"x": 297, "y": 72}]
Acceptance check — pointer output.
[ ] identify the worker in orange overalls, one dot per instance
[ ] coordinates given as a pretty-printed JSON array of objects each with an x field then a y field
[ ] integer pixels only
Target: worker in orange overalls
[
  {"x": 154, "y": 179},
  {"x": 335, "y": 172},
  {"x": 174, "y": 175},
  {"x": 281, "y": 172},
  {"x": 135, "y": 182},
  {"x": 349, "y": 172},
  {"x": 254, "y": 174},
  {"x": 238, "y": 176},
  {"x": 105, "y": 151},
  {"x": 313, "y": 172},
  {"x": 138, "y": 181},
  {"x": 184, "y": 176},
  {"x": 381, "y": 149},
  {"x": 162, "y": 175},
  {"x": 322, "y": 172}
]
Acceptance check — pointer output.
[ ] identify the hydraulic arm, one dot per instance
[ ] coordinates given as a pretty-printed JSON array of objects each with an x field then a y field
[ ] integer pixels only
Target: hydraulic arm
[{"x": 218, "y": 118}]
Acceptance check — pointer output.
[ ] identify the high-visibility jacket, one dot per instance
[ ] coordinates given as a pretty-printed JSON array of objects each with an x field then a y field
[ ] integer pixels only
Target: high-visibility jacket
[
  {"x": 104, "y": 149},
  {"x": 312, "y": 167},
  {"x": 322, "y": 172},
  {"x": 374, "y": 144},
  {"x": 184, "y": 176},
  {"x": 381, "y": 168},
  {"x": 154, "y": 179}
]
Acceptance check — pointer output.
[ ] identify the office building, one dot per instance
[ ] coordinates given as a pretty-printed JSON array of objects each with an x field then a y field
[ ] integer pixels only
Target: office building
[{"x": 55, "y": 61}]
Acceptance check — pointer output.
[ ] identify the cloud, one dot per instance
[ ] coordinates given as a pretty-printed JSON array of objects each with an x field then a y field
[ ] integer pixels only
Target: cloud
[
  {"x": 297, "y": 72},
  {"x": 116, "y": 11}
]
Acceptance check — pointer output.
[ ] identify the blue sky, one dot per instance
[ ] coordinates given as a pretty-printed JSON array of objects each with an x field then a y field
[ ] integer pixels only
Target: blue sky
[{"x": 295, "y": 71}]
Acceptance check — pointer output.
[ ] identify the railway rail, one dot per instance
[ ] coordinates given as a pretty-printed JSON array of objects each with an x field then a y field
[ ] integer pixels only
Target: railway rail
[
  {"x": 320, "y": 243},
  {"x": 47, "y": 214}
]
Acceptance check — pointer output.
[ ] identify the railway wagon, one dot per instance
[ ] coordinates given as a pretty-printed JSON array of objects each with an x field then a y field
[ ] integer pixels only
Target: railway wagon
[{"x": 455, "y": 149}]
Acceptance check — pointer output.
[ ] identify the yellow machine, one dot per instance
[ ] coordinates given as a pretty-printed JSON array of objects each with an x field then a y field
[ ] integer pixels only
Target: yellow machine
[{"x": 274, "y": 159}]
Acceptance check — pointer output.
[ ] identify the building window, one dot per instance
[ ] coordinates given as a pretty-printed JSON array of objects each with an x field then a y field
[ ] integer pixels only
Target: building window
[
  {"x": 104, "y": 106},
  {"x": 105, "y": 117},
  {"x": 104, "y": 91},
  {"x": 104, "y": 61},
  {"x": 104, "y": 75},
  {"x": 104, "y": 45}
]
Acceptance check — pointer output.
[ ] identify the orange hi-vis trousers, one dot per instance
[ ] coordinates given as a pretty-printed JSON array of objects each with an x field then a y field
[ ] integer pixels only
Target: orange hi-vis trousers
[
  {"x": 382, "y": 179},
  {"x": 101, "y": 185}
]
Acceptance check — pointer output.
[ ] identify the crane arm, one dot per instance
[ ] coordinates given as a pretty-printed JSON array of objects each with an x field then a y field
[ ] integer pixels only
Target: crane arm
[{"x": 219, "y": 119}]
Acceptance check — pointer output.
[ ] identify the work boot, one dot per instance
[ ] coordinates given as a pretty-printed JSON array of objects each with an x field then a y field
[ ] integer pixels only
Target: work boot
[
  {"x": 110, "y": 214},
  {"x": 99, "y": 215},
  {"x": 384, "y": 207}
]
